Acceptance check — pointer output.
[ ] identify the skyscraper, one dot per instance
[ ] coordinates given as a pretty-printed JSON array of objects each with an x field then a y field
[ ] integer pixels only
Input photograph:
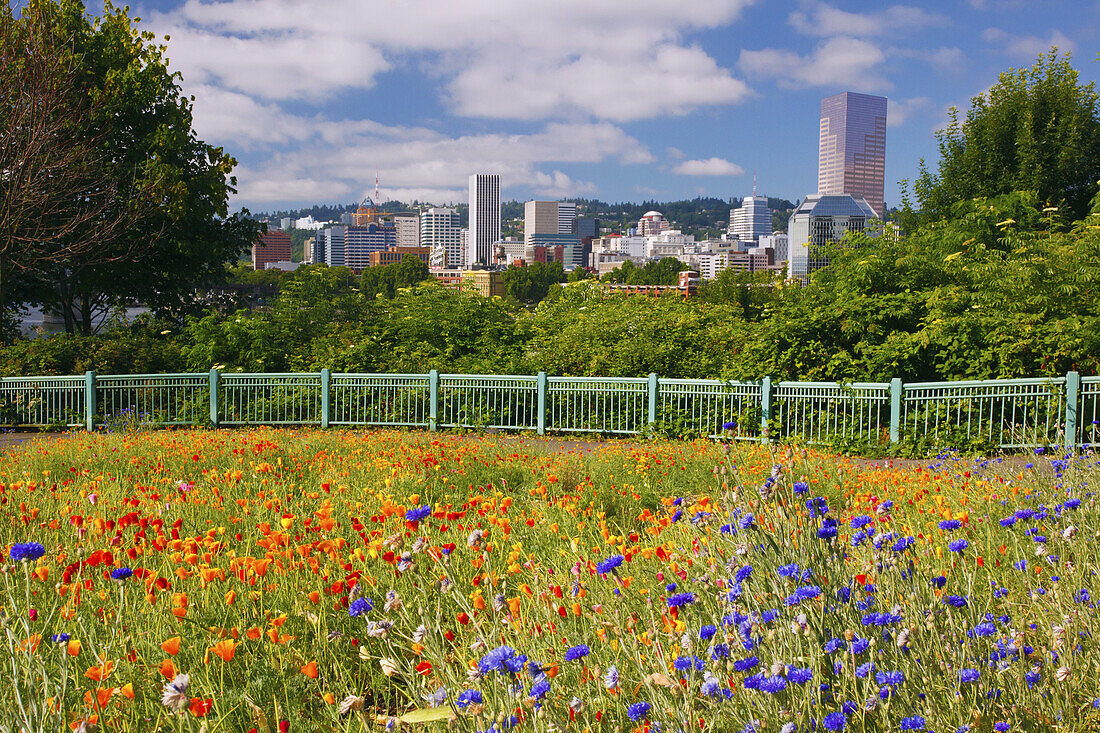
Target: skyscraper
[
  {"x": 818, "y": 221},
  {"x": 540, "y": 217},
  {"x": 851, "y": 155},
  {"x": 753, "y": 219},
  {"x": 567, "y": 217},
  {"x": 484, "y": 218},
  {"x": 439, "y": 231}
]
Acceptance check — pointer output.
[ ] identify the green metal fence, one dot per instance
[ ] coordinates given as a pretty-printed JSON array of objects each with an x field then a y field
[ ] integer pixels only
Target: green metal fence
[{"x": 999, "y": 413}]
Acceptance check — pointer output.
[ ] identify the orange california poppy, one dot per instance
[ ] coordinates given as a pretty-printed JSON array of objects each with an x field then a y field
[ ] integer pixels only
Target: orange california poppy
[{"x": 225, "y": 649}]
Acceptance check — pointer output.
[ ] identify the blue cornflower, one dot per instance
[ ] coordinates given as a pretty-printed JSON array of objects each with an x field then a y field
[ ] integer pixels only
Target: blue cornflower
[
  {"x": 1033, "y": 679},
  {"x": 787, "y": 571},
  {"x": 835, "y": 721},
  {"x": 904, "y": 544},
  {"x": 469, "y": 697},
  {"x": 731, "y": 425},
  {"x": 682, "y": 664},
  {"x": 540, "y": 688},
  {"x": 360, "y": 607},
  {"x": 956, "y": 601},
  {"x": 950, "y": 525},
  {"x": 892, "y": 679},
  {"x": 1072, "y": 503},
  {"x": 676, "y": 517},
  {"x": 417, "y": 513},
  {"x": 1082, "y": 596},
  {"x": 681, "y": 599},
  {"x": 611, "y": 677},
  {"x": 800, "y": 675},
  {"x": 707, "y": 631},
  {"x": 746, "y": 522},
  {"x": 806, "y": 592},
  {"x": 744, "y": 665},
  {"x": 60, "y": 638},
  {"x": 800, "y": 487},
  {"x": 939, "y": 581},
  {"x": 637, "y": 711},
  {"x": 969, "y": 675},
  {"x": 121, "y": 574},
  {"x": 914, "y": 722},
  {"x": 494, "y": 660},
  {"x": 609, "y": 564},
  {"x": 828, "y": 529},
  {"x": 958, "y": 545},
  {"x": 833, "y": 645},
  {"x": 1001, "y": 727},
  {"x": 576, "y": 652},
  {"x": 860, "y": 645},
  {"x": 773, "y": 685},
  {"x": 720, "y": 651},
  {"x": 865, "y": 669},
  {"x": 985, "y": 629},
  {"x": 743, "y": 574},
  {"x": 27, "y": 551},
  {"x": 861, "y": 521}
]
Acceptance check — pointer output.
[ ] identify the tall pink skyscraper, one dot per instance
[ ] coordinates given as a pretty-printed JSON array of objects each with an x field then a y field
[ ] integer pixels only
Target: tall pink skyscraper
[{"x": 851, "y": 155}]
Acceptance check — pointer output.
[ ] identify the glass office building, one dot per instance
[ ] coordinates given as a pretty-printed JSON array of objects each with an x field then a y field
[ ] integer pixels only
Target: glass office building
[{"x": 852, "y": 148}]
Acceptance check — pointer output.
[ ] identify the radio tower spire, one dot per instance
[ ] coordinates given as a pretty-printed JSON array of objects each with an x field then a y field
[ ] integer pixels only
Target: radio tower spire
[{"x": 753, "y": 184}]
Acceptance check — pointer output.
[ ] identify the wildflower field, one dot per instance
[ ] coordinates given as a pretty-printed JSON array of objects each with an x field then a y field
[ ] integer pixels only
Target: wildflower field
[{"x": 301, "y": 580}]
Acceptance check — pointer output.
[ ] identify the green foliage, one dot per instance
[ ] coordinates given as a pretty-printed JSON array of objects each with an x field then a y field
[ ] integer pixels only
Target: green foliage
[
  {"x": 531, "y": 283},
  {"x": 1037, "y": 130},
  {"x": 665, "y": 271}
]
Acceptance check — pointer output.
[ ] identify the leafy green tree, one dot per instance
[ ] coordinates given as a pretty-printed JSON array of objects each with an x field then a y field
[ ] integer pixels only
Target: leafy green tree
[
  {"x": 1036, "y": 129},
  {"x": 140, "y": 121},
  {"x": 531, "y": 283}
]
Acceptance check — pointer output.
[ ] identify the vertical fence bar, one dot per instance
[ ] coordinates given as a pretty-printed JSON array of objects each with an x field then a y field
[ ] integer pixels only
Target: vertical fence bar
[
  {"x": 326, "y": 382},
  {"x": 215, "y": 378},
  {"x": 896, "y": 391},
  {"x": 542, "y": 403},
  {"x": 1073, "y": 391},
  {"x": 653, "y": 391},
  {"x": 765, "y": 407},
  {"x": 89, "y": 401},
  {"x": 433, "y": 400}
]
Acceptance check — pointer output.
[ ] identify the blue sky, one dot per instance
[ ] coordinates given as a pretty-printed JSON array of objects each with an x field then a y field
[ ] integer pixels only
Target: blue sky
[{"x": 624, "y": 100}]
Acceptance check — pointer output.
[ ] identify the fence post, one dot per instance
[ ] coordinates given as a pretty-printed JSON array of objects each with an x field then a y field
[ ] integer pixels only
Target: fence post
[
  {"x": 433, "y": 400},
  {"x": 326, "y": 381},
  {"x": 765, "y": 407},
  {"x": 215, "y": 379},
  {"x": 542, "y": 403},
  {"x": 653, "y": 387},
  {"x": 896, "y": 392},
  {"x": 1073, "y": 392},
  {"x": 89, "y": 401}
]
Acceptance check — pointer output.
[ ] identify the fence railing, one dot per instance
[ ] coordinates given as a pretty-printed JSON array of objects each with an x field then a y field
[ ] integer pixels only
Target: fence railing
[{"x": 997, "y": 413}]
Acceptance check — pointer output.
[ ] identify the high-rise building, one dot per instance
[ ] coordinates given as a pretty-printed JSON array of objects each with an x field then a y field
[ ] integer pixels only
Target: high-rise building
[
  {"x": 651, "y": 224},
  {"x": 752, "y": 220},
  {"x": 440, "y": 232},
  {"x": 334, "y": 246},
  {"x": 361, "y": 241},
  {"x": 272, "y": 246},
  {"x": 818, "y": 221},
  {"x": 851, "y": 154},
  {"x": 315, "y": 249},
  {"x": 484, "y": 218},
  {"x": 407, "y": 225},
  {"x": 540, "y": 217},
  {"x": 567, "y": 217}
]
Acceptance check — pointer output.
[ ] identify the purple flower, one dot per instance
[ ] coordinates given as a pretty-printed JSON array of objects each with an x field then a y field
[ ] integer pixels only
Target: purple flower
[
  {"x": 576, "y": 652},
  {"x": 121, "y": 574},
  {"x": 969, "y": 675},
  {"x": 609, "y": 564},
  {"x": 360, "y": 607},
  {"x": 681, "y": 599},
  {"x": 469, "y": 697},
  {"x": 418, "y": 513},
  {"x": 834, "y": 721},
  {"x": 637, "y": 711},
  {"x": 950, "y": 525},
  {"x": 800, "y": 676},
  {"x": 914, "y": 722},
  {"x": 958, "y": 545},
  {"x": 27, "y": 551},
  {"x": 773, "y": 685}
]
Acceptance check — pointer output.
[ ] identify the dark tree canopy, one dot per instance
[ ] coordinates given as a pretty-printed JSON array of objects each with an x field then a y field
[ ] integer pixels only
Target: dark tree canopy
[{"x": 1036, "y": 129}]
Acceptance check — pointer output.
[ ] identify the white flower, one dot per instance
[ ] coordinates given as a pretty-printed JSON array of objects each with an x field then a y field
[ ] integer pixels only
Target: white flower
[
  {"x": 351, "y": 704},
  {"x": 1061, "y": 674},
  {"x": 389, "y": 666},
  {"x": 420, "y": 634},
  {"x": 393, "y": 602},
  {"x": 1068, "y": 532},
  {"x": 174, "y": 696}
]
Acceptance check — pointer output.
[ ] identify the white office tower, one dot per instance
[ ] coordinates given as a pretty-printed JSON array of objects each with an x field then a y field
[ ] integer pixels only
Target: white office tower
[
  {"x": 567, "y": 217},
  {"x": 484, "y": 218},
  {"x": 540, "y": 217},
  {"x": 752, "y": 220},
  {"x": 407, "y": 225},
  {"x": 440, "y": 232},
  {"x": 334, "y": 246},
  {"x": 777, "y": 243},
  {"x": 819, "y": 220}
]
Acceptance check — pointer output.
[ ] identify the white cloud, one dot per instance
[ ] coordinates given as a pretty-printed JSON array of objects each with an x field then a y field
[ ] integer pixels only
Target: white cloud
[
  {"x": 495, "y": 59},
  {"x": 898, "y": 111},
  {"x": 944, "y": 59},
  {"x": 851, "y": 63},
  {"x": 336, "y": 159},
  {"x": 824, "y": 20},
  {"x": 708, "y": 167},
  {"x": 1027, "y": 48}
]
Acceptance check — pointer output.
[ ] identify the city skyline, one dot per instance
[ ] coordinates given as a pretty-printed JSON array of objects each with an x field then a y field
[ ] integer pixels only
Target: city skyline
[{"x": 614, "y": 101}]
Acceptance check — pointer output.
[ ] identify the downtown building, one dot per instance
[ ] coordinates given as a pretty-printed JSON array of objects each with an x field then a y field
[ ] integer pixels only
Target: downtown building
[
  {"x": 441, "y": 234},
  {"x": 270, "y": 247},
  {"x": 484, "y": 229},
  {"x": 818, "y": 221},
  {"x": 360, "y": 242},
  {"x": 851, "y": 155},
  {"x": 752, "y": 220}
]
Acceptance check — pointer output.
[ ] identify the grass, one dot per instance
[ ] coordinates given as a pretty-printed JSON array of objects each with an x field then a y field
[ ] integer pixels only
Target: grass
[{"x": 343, "y": 580}]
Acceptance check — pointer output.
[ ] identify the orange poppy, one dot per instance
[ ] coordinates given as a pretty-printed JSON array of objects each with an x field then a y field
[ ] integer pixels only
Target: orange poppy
[
  {"x": 225, "y": 649},
  {"x": 310, "y": 670},
  {"x": 172, "y": 646}
]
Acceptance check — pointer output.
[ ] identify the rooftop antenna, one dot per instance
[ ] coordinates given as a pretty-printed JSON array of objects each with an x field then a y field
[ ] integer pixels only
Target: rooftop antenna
[
  {"x": 753, "y": 184},
  {"x": 376, "y": 187}
]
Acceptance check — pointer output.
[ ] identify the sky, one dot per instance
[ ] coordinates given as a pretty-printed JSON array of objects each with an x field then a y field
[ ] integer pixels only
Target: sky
[{"x": 622, "y": 100}]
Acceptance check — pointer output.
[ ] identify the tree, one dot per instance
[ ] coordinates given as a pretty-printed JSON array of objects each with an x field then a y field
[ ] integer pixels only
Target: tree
[
  {"x": 58, "y": 198},
  {"x": 171, "y": 190},
  {"x": 1036, "y": 130}
]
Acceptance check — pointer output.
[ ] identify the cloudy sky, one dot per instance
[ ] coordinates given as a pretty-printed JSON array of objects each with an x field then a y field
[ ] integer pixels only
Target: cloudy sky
[{"x": 616, "y": 99}]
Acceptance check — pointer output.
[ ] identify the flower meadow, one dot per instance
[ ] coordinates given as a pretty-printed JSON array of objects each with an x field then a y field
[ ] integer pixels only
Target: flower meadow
[{"x": 306, "y": 580}]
